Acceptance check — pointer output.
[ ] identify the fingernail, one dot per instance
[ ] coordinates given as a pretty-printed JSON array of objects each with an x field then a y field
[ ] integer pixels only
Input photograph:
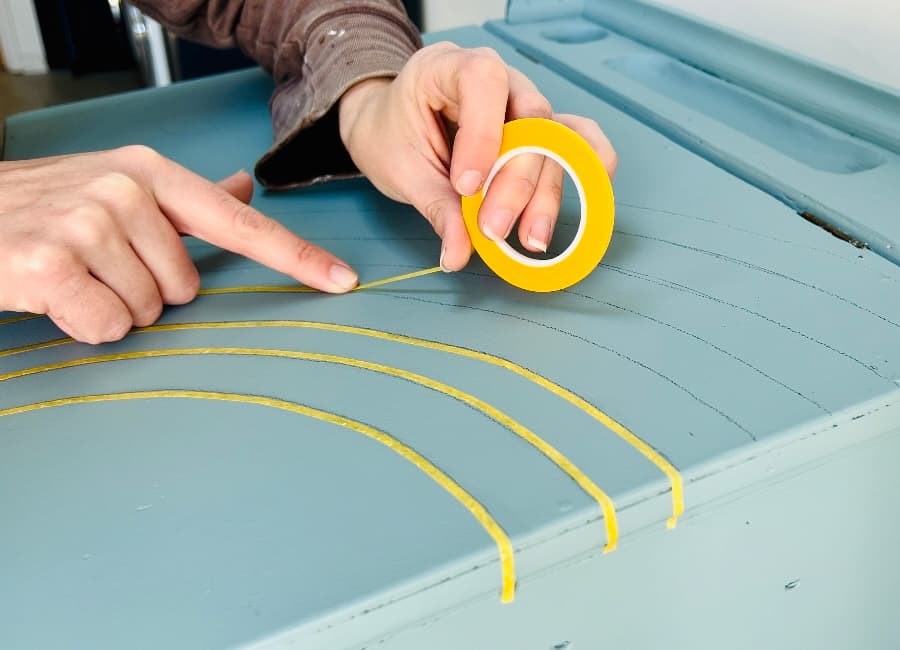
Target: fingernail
[
  {"x": 496, "y": 222},
  {"x": 343, "y": 277},
  {"x": 443, "y": 252},
  {"x": 539, "y": 235},
  {"x": 469, "y": 182}
]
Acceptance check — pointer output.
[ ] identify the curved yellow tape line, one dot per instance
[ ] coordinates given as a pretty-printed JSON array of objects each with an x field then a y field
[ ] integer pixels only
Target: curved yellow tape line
[
  {"x": 18, "y": 319},
  {"x": 267, "y": 289},
  {"x": 300, "y": 289},
  {"x": 504, "y": 545},
  {"x": 595, "y": 229},
  {"x": 642, "y": 447},
  {"x": 548, "y": 450}
]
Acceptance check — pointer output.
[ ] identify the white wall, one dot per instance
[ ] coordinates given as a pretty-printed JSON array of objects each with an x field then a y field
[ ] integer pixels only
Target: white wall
[
  {"x": 861, "y": 36},
  {"x": 444, "y": 14},
  {"x": 20, "y": 37}
]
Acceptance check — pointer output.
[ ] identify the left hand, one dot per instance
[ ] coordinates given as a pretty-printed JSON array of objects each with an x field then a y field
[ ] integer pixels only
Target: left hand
[{"x": 433, "y": 133}]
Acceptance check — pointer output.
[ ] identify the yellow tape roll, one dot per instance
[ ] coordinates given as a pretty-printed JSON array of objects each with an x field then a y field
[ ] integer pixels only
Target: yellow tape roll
[{"x": 562, "y": 144}]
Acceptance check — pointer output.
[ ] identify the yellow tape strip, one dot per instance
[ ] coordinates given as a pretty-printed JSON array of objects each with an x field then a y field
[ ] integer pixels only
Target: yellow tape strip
[
  {"x": 224, "y": 291},
  {"x": 18, "y": 319},
  {"x": 578, "y": 158},
  {"x": 398, "y": 278},
  {"x": 504, "y": 545},
  {"x": 675, "y": 479},
  {"x": 299, "y": 289},
  {"x": 221, "y": 291},
  {"x": 548, "y": 450}
]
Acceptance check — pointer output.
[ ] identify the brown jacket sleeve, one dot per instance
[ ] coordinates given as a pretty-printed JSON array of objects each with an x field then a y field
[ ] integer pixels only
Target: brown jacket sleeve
[{"x": 315, "y": 50}]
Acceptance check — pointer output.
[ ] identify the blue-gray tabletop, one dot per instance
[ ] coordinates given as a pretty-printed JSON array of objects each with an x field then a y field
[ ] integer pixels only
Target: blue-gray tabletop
[{"x": 198, "y": 510}]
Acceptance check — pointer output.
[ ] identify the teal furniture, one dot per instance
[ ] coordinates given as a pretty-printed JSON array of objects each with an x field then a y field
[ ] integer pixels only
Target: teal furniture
[{"x": 295, "y": 470}]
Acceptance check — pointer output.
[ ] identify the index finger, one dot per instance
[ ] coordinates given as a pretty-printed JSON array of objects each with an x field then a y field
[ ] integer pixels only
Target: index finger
[
  {"x": 198, "y": 207},
  {"x": 480, "y": 89}
]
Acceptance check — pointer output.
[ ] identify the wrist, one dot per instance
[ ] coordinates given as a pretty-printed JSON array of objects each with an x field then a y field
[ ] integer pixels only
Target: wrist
[{"x": 354, "y": 100}]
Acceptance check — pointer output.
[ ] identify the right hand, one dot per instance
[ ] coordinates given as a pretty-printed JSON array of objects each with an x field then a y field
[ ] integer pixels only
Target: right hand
[
  {"x": 92, "y": 240},
  {"x": 434, "y": 132}
]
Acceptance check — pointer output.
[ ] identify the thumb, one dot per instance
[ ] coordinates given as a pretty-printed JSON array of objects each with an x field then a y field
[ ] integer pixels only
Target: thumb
[
  {"x": 239, "y": 185},
  {"x": 440, "y": 205}
]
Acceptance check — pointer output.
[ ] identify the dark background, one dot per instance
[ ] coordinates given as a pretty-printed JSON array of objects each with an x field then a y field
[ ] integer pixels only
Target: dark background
[{"x": 83, "y": 36}]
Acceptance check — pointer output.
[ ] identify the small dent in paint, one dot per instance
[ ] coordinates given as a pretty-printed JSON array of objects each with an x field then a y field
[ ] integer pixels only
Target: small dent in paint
[
  {"x": 562, "y": 645},
  {"x": 791, "y": 585}
]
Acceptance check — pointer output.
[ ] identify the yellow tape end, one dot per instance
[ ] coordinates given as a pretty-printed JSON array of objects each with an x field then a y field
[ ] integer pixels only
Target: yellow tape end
[
  {"x": 508, "y": 594},
  {"x": 671, "y": 523}
]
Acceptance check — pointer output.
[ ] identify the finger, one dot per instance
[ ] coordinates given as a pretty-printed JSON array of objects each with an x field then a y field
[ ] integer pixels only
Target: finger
[
  {"x": 595, "y": 136},
  {"x": 116, "y": 265},
  {"x": 440, "y": 205},
  {"x": 162, "y": 251},
  {"x": 41, "y": 277},
  {"x": 539, "y": 217},
  {"x": 525, "y": 100},
  {"x": 200, "y": 208},
  {"x": 239, "y": 185},
  {"x": 85, "y": 308},
  {"x": 510, "y": 191},
  {"x": 134, "y": 248},
  {"x": 95, "y": 239},
  {"x": 476, "y": 83},
  {"x": 513, "y": 187}
]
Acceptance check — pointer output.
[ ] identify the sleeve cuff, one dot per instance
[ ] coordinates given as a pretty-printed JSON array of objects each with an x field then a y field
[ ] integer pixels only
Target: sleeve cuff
[{"x": 343, "y": 49}]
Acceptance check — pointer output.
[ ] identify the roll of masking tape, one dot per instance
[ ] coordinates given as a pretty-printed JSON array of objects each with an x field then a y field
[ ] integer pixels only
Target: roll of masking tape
[{"x": 577, "y": 157}]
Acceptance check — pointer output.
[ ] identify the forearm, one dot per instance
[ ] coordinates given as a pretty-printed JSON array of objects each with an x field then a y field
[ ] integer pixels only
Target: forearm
[{"x": 315, "y": 50}]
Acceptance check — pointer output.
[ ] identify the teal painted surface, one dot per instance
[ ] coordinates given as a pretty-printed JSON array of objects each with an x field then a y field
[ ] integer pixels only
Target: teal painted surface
[
  {"x": 809, "y": 143},
  {"x": 779, "y": 570},
  {"x": 803, "y": 84},
  {"x": 821, "y": 142},
  {"x": 721, "y": 328}
]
